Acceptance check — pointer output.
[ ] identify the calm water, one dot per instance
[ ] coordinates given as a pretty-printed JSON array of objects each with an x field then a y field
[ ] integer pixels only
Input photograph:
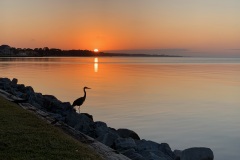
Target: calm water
[{"x": 185, "y": 102}]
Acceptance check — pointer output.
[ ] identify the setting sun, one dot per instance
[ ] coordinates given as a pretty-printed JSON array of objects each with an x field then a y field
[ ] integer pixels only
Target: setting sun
[{"x": 95, "y": 50}]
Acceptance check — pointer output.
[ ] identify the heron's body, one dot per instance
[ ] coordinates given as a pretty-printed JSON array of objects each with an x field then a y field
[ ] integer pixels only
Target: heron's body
[{"x": 80, "y": 101}]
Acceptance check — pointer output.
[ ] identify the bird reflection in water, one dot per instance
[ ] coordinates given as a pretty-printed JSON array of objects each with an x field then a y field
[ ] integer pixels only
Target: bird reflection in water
[{"x": 95, "y": 64}]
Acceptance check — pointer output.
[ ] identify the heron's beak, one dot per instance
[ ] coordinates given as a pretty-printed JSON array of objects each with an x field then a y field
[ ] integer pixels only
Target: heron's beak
[{"x": 88, "y": 88}]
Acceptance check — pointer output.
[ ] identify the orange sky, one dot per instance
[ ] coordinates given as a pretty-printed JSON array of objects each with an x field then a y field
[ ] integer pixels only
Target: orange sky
[{"x": 118, "y": 25}]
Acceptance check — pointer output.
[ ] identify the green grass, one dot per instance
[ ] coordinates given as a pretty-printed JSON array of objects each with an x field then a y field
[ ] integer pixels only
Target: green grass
[{"x": 25, "y": 136}]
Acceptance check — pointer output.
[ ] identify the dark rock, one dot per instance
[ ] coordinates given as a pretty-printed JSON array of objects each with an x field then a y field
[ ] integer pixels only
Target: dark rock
[
  {"x": 30, "y": 94},
  {"x": 197, "y": 153},
  {"x": 1, "y": 85},
  {"x": 80, "y": 122},
  {"x": 37, "y": 105},
  {"x": 165, "y": 148},
  {"x": 50, "y": 97},
  {"x": 108, "y": 139},
  {"x": 126, "y": 133},
  {"x": 5, "y": 83},
  {"x": 39, "y": 99},
  {"x": 57, "y": 117},
  {"x": 14, "y": 85},
  {"x": 21, "y": 88},
  {"x": 178, "y": 154},
  {"x": 112, "y": 129},
  {"x": 154, "y": 156},
  {"x": 124, "y": 143},
  {"x": 132, "y": 154},
  {"x": 51, "y": 103},
  {"x": 156, "y": 148},
  {"x": 29, "y": 90},
  {"x": 67, "y": 106},
  {"x": 5, "y": 80},
  {"x": 48, "y": 100},
  {"x": 104, "y": 134},
  {"x": 100, "y": 128},
  {"x": 19, "y": 94},
  {"x": 88, "y": 115},
  {"x": 14, "y": 81}
]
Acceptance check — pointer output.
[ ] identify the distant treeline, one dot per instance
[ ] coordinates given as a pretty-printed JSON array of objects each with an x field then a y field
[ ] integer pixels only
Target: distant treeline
[{"x": 7, "y": 51}]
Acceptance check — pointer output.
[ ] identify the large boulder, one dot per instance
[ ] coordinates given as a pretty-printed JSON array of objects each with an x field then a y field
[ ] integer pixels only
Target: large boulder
[
  {"x": 21, "y": 88},
  {"x": 5, "y": 79},
  {"x": 126, "y": 133},
  {"x": 14, "y": 81},
  {"x": 80, "y": 122},
  {"x": 178, "y": 154},
  {"x": 13, "y": 87},
  {"x": 52, "y": 104},
  {"x": 57, "y": 117},
  {"x": 100, "y": 128},
  {"x": 132, "y": 154},
  {"x": 5, "y": 84},
  {"x": 39, "y": 99},
  {"x": 88, "y": 115},
  {"x": 108, "y": 139},
  {"x": 161, "y": 150},
  {"x": 124, "y": 144},
  {"x": 104, "y": 134},
  {"x": 154, "y": 156},
  {"x": 197, "y": 153},
  {"x": 30, "y": 94},
  {"x": 29, "y": 90},
  {"x": 66, "y": 106},
  {"x": 50, "y": 101}
]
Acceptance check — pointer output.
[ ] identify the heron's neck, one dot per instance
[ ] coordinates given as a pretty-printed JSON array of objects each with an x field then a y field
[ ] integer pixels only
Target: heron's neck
[{"x": 84, "y": 92}]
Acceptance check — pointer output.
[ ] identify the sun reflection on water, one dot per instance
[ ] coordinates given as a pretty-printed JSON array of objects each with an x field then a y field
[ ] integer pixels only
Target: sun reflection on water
[{"x": 95, "y": 64}]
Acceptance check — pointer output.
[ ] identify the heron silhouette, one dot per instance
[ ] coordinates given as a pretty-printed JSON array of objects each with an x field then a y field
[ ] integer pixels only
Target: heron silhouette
[{"x": 78, "y": 102}]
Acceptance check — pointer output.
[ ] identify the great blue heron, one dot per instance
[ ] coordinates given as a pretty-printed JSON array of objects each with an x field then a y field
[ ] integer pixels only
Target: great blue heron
[{"x": 78, "y": 102}]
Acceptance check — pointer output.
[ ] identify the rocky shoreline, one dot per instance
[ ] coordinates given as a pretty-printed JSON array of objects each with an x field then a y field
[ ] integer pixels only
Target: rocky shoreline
[{"x": 82, "y": 126}]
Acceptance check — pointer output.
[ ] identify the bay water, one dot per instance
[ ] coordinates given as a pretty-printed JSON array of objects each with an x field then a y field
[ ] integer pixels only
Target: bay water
[{"x": 183, "y": 101}]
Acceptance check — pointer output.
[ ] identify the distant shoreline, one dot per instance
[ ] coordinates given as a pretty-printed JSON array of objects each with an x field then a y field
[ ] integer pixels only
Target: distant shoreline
[
  {"x": 91, "y": 56},
  {"x": 101, "y": 54},
  {"x": 7, "y": 51}
]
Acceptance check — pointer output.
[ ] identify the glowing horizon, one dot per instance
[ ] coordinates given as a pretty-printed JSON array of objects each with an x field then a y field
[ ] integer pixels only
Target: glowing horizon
[{"x": 209, "y": 26}]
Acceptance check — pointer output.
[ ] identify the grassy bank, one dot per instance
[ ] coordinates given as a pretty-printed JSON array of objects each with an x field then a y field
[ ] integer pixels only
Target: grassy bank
[{"x": 24, "y": 136}]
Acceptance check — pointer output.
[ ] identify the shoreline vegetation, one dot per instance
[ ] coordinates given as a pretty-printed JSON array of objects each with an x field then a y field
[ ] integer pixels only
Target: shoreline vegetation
[
  {"x": 109, "y": 142},
  {"x": 25, "y": 136},
  {"x": 7, "y": 51}
]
